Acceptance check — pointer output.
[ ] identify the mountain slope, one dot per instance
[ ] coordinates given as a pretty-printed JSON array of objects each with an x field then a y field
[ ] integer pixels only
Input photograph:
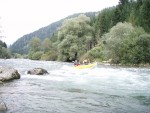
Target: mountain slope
[{"x": 21, "y": 45}]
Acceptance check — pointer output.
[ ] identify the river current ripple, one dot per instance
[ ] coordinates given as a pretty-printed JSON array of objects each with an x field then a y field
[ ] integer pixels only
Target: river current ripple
[{"x": 103, "y": 89}]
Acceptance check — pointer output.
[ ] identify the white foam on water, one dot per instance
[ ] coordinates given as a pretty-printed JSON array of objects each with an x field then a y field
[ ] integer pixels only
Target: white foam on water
[
  {"x": 122, "y": 77},
  {"x": 44, "y": 77}
]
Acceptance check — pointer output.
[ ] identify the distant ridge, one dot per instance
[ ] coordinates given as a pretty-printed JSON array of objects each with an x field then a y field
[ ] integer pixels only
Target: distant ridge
[{"x": 21, "y": 45}]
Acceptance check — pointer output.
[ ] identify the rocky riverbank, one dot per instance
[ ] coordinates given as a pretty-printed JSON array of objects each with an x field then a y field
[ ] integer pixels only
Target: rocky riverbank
[{"x": 7, "y": 74}]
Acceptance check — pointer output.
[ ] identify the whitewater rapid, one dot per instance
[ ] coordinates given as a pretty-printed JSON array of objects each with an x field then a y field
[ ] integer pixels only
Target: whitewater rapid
[{"x": 103, "y": 89}]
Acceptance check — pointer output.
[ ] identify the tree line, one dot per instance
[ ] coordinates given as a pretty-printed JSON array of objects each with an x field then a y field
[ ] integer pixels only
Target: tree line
[
  {"x": 21, "y": 45},
  {"x": 4, "y": 51},
  {"x": 120, "y": 34}
]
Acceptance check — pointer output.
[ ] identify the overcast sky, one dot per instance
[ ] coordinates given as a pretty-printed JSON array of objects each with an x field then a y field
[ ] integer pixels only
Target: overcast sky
[{"x": 21, "y": 17}]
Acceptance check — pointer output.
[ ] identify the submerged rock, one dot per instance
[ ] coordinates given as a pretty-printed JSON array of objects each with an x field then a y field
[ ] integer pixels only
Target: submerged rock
[
  {"x": 8, "y": 73},
  {"x": 1, "y": 82},
  {"x": 2, "y": 106},
  {"x": 37, "y": 71}
]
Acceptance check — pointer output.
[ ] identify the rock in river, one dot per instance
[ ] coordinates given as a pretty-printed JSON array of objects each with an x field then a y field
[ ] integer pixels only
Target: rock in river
[
  {"x": 37, "y": 71},
  {"x": 8, "y": 73},
  {"x": 2, "y": 107}
]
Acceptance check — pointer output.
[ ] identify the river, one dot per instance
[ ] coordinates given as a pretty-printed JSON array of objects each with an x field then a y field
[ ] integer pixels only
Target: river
[{"x": 103, "y": 89}]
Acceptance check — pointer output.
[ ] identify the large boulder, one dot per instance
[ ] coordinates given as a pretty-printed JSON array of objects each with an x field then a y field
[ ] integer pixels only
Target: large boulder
[
  {"x": 2, "y": 107},
  {"x": 37, "y": 71},
  {"x": 8, "y": 73}
]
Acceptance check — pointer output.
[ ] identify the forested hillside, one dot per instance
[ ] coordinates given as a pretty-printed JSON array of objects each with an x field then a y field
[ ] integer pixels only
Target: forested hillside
[
  {"x": 21, "y": 45},
  {"x": 119, "y": 34},
  {"x": 123, "y": 33}
]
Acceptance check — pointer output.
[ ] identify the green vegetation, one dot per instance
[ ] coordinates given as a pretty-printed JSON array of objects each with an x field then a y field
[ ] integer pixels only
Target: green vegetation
[
  {"x": 4, "y": 52},
  {"x": 118, "y": 34},
  {"x": 74, "y": 38},
  {"x": 127, "y": 44},
  {"x": 21, "y": 45}
]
